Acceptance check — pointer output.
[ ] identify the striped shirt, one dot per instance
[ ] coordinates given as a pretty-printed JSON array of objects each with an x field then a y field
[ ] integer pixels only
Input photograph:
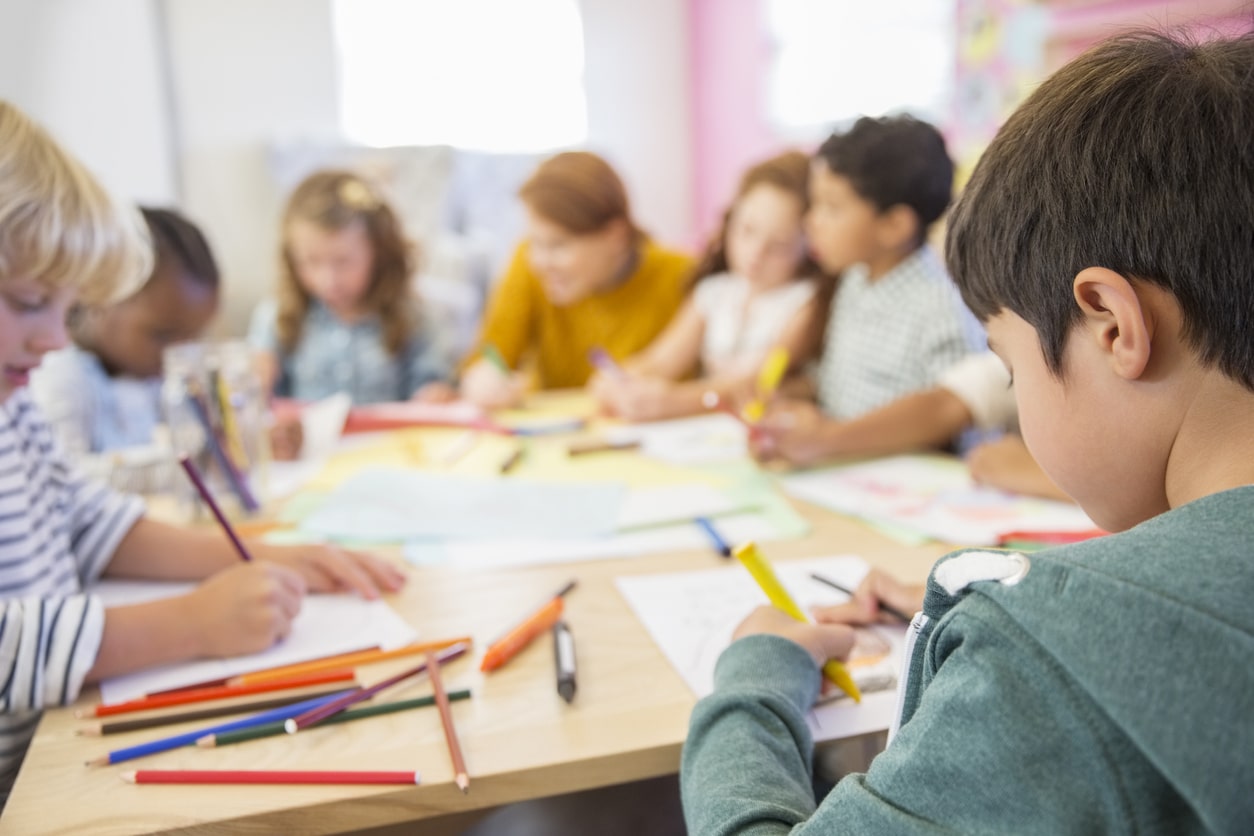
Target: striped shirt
[
  {"x": 893, "y": 336},
  {"x": 58, "y": 532}
]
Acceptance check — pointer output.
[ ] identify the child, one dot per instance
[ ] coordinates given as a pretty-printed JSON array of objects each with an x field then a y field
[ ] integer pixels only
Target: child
[
  {"x": 347, "y": 318},
  {"x": 103, "y": 393},
  {"x": 1105, "y": 686},
  {"x": 896, "y": 322},
  {"x": 61, "y": 234},
  {"x": 586, "y": 278},
  {"x": 756, "y": 290}
]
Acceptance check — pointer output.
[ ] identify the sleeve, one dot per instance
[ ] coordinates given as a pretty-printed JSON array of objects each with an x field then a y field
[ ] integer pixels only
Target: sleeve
[
  {"x": 982, "y": 383},
  {"x": 61, "y": 389},
  {"x": 427, "y": 357},
  {"x": 47, "y": 646},
  {"x": 263, "y": 326},
  {"x": 1000, "y": 743},
  {"x": 98, "y": 519},
  {"x": 507, "y": 323},
  {"x": 947, "y": 333}
]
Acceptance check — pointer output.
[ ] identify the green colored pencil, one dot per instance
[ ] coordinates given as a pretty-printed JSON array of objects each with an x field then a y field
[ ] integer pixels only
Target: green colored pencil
[
  {"x": 494, "y": 357},
  {"x": 272, "y": 729}
]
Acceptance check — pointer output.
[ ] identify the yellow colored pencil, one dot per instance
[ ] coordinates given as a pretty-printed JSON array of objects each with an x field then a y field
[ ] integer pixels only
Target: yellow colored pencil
[
  {"x": 769, "y": 377},
  {"x": 345, "y": 660},
  {"x": 762, "y": 572}
]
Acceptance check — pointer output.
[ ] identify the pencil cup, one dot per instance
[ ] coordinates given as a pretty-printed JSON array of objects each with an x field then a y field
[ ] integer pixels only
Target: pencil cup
[{"x": 214, "y": 408}]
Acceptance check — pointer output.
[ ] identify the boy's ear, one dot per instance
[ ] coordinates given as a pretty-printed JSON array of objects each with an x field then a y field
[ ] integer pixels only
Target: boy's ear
[
  {"x": 1113, "y": 316},
  {"x": 898, "y": 226}
]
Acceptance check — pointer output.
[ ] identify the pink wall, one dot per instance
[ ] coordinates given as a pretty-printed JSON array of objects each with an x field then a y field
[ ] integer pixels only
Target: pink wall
[{"x": 730, "y": 54}]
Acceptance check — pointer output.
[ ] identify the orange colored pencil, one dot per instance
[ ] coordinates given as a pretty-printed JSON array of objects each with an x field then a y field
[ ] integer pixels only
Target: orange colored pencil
[
  {"x": 344, "y": 660},
  {"x": 504, "y": 649},
  {"x": 216, "y": 693}
]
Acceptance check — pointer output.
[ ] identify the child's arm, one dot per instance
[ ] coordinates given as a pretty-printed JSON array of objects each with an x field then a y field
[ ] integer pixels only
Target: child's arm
[
  {"x": 800, "y": 434},
  {"x": 507, "y": 327},
  {"x": 675, "y": 353},
  {"x": 156, "y": 551}
]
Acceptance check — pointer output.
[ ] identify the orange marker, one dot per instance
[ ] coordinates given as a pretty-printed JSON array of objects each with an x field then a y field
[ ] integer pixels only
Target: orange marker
[{"x": 505, "y": 648}]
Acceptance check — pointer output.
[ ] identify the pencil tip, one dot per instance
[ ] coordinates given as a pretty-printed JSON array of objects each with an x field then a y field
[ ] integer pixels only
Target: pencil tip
[
  {"x": 207, "y": 742},
  {"x": 128, "y": 777},
  {"x": 290, "y": 726},
  {"x": 463, "y": 782},
  {"x": 104, "y": 761}
]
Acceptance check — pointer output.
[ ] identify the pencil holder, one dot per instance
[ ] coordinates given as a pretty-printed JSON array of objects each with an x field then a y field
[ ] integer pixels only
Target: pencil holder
[{"x": 214, "y": 408}]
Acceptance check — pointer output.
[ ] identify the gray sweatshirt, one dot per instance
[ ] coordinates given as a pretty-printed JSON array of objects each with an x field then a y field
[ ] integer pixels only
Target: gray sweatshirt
[{"x": 1105, "y": 687}]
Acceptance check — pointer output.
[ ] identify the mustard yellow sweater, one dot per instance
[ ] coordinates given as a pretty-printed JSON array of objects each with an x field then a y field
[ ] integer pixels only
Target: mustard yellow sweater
[{"x": 532, "y": 332}]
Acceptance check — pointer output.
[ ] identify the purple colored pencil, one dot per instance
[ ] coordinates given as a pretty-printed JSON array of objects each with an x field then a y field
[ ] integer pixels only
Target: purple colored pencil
[
  {"x": 203, "y": 490},
  {"x": 303, "y": 721}
]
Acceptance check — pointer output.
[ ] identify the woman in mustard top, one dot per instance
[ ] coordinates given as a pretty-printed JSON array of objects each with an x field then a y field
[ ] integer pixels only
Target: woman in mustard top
[{"x": 586, "y": 277}]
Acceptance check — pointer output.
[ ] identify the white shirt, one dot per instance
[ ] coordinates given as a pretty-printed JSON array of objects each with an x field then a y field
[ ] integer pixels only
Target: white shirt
[
  {"x": 892, "y": 336},
  {"x": 739, "y": 330},
  {"x": 982, "y": 383}
]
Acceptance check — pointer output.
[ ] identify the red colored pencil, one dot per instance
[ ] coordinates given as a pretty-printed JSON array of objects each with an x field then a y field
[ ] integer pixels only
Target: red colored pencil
[
  {"x": 216, "y": 693},
  {"x": 304, "y": 721},
  {"x": 446, "y": 720},
  {"x": 275, "y": 776}
]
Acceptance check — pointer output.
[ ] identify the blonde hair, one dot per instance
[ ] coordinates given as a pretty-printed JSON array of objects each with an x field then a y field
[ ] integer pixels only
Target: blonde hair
[
  {"x": 334, "y": 200},
  {"x": 58, "y": 225}
]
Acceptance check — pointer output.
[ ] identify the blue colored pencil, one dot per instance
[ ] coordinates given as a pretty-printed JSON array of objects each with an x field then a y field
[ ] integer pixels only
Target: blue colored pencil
[
  {"x": 165, "y": 744},
  {"x": 720, "y": 545}
]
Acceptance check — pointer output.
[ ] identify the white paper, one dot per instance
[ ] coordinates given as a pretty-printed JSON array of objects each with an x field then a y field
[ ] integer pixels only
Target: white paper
[
  {"x": 322, "y": 423},
  {"x": 645, "y": 507},
  {"x": 692, "y": 615},
  {"x": 932, "y": 495},
  {"x": 326, "y": 626},
  {"x": 706, "y": 439}
]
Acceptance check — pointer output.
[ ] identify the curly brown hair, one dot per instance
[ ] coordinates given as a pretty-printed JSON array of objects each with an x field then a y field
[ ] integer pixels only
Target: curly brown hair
[{"x": 335, "y": 200}]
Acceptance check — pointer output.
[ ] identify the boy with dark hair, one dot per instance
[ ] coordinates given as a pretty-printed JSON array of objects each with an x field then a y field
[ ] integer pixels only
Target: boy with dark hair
[
  {"x": 896, "y": 322},
  {"x": 1105, "y": 239}
]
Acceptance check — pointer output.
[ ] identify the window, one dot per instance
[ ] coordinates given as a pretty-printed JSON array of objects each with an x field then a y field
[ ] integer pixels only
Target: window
[
  {"x": 837, "y": 60},
  {"x": 489, "y": 75}
]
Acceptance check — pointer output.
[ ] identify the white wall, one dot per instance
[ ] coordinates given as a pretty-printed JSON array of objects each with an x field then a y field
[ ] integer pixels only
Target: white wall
[{"x": 90, "y": 72}]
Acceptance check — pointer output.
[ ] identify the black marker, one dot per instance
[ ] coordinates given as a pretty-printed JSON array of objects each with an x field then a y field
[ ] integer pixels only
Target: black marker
[{"x": 564, "y": 658}]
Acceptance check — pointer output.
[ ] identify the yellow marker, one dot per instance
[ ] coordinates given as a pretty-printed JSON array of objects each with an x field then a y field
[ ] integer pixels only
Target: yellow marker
[
  {"x": 769, "y": 376},
  {"x": 762, "y": 572}
]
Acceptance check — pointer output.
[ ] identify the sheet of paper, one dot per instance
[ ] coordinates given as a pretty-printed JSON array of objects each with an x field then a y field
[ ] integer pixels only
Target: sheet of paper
[
  {"x": 391, "y": 505},
  {"x": 645, "y": 507},
  {"x": 326, "y": 626},
  {"x": 691, "y": 617},
  {"x": 706, "y": 439},
  {"x": 933, "y": 495},
  {"x": 322, "y": 423}
]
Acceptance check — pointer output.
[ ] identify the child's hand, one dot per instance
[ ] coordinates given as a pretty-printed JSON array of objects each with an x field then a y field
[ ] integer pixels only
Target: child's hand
[
  {"x": 632, "y": 398},
  {"x": 435, "y": 392},
  {"x": 330, "y": 569},
  {"x": 876, "y": 590},
  {"x": 244, "y": 609},
  {"x": 485, "y": 385},
  {"x": 287, "y": 435},
  {"x": 1006, "y": 464},
  {"x": 792, "y": 431},
  {"x": 821, "y": 641}
]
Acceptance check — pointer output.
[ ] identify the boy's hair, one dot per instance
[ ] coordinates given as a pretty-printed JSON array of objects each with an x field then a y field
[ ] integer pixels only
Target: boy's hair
[
  {"x": 892, "y": 161},
  {"x": 176, "y": 238},
  {"x": 58, "y": 225},
  {"x": 580, "y": 192},
  {"x": 335, "y": 200},
  {"x": 1138, "y": 156}
]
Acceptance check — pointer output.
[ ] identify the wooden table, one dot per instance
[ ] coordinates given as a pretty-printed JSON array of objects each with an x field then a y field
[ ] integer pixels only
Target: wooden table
[{"x": 521, "y": 741}]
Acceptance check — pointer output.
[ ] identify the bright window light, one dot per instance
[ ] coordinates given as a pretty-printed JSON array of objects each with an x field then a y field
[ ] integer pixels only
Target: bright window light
[
  {"x": 838, "y": 60},
  {"x": 488, "y": 75}
]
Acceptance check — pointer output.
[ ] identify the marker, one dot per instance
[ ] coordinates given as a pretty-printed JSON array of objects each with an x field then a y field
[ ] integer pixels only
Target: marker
[
  {"x": 493, "y": 356},
  {"x": 720, "y": 545},
  {"x": 564, "y": 660},
  {"x": 769, "y": 376},
  {"x": 762, "y": 572},
  {"x": 601, "y": 358},
  {"x": 508, "y": 645}
]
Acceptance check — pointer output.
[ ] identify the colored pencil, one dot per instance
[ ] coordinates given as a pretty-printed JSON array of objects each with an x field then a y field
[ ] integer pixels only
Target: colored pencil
[
  {"x": 720, "y": 545},
  {"x": 219, "y": 692},
  {"x": 239, "y": 483},
  {"x": 304, "y": 721},
  {"x": 893, "y": 611},
  {"x": 345, "y": 660},
  {"x": 165, "y": 744},
  {"x": 762, "y": 572},
  {"x": 511, "y": 461},
  {"x": 277, "y": 727},
  {"x": 446, "y": 720},
  {"x": 459, "y": 447},
  {"x": 583, "y": 448},
  {"x": 203, "y": 489},
  {"x": 275, "y": 776},
  {"x": 138, "y": 723}
]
